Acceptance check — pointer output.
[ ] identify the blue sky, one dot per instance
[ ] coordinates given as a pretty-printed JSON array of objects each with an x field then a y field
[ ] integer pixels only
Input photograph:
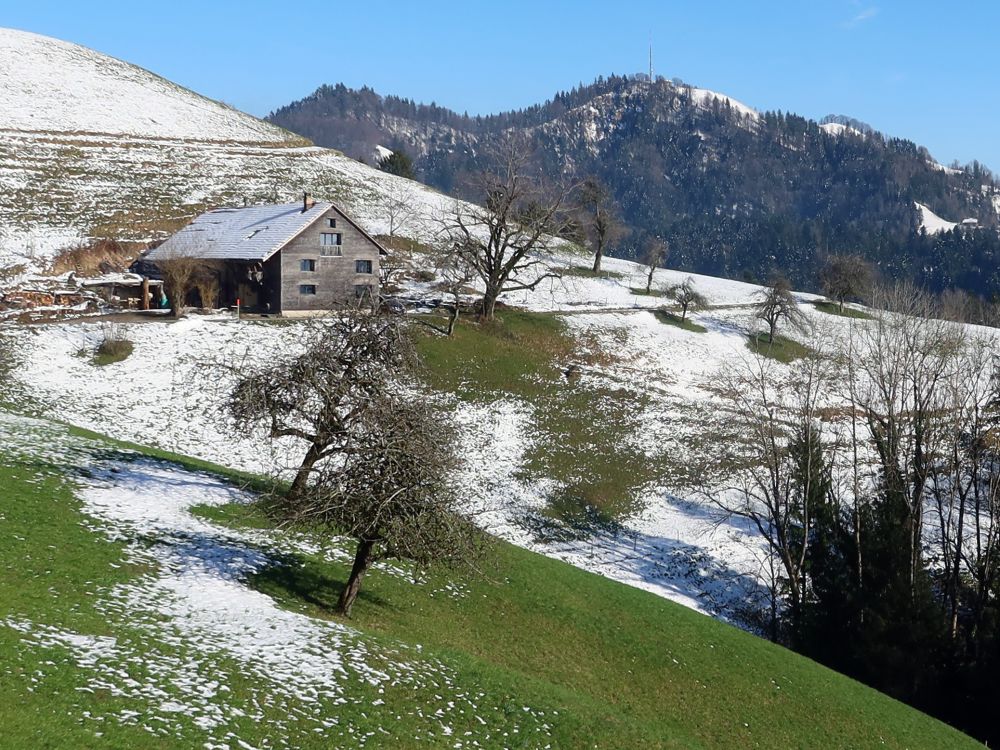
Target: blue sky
[{"x": 923, "y": 70}]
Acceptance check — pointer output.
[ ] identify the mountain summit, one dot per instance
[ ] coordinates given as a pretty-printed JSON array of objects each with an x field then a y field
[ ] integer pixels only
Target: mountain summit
[{"x": 737, "y": 192}]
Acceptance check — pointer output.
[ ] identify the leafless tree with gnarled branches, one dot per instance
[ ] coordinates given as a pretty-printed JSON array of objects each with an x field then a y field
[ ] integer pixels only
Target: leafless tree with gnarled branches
[
  {"x": 519, "y": 218},
  {"x": 179, "y": 270},
  {"x": 687, "y": 296},
  {"x": 777, "y": 303},
  {"x": 378, "y": 463},
  {"x": 599, "y": 218}
]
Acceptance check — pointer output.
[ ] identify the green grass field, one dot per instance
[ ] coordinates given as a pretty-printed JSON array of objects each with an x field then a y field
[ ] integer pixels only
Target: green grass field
[
  {"x": 781, "y": 348},
  {"x": 581, "y": 430},
  {"x": 597, "y": 663},
  {"x": 832, "y": 308},
  {"x": 671, "y": 319}
]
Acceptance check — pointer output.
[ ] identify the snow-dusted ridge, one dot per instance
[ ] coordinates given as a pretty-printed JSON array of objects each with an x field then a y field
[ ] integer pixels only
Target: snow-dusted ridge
[
  {"x": 52, "y": 86},
  {"x": 95, "y": 147}
]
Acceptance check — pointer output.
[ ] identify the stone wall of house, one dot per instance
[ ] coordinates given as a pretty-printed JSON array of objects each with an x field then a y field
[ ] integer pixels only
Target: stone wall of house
[{"x": 337, "y": 278}]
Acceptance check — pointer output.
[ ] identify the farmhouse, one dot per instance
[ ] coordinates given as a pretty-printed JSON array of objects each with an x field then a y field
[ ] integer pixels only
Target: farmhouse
[{"x": 288, "y": 259}]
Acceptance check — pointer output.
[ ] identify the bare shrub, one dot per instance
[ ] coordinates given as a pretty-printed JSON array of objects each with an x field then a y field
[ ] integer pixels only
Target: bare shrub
[
  {"x": 115, "y": 345},
  {"x": 207, "y": 284},
  {"x": 93, "y": 258},
  {"x": 178, "y": 271}
]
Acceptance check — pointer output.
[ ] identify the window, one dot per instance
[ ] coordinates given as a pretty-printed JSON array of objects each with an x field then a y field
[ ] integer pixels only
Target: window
[
  {"x": 362, "y": 290},
  {"x": 307, "y": 264},
  {"x": 307, "y": 289},
  {"x": 362, "y": 266},
  {"x": 331, "y": 244},
  {"x": 332, "y": 223}
]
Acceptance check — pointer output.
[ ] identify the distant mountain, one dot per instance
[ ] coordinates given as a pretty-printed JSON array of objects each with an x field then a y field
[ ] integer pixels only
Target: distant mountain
[
  {"x": 93, "y": 147},
  {"x": 737, "y": 192}
]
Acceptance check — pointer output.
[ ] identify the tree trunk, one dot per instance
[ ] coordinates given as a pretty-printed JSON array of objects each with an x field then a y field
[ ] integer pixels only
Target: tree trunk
[
  {"x": 362, "y": 559},
  {"x": 453, "y": 318},
  {"x": 305, "y": 469},
  {"x": 598, "y": 256},
  {"x": 649, "y": 279},
  {"x": 489, "y": 302}
]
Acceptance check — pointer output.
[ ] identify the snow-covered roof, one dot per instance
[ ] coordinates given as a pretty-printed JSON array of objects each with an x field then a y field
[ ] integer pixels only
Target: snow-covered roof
[{"x": 253, "y": 233}]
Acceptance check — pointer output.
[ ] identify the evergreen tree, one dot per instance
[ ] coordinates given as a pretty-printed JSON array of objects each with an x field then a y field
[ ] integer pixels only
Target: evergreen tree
[{"x": 398, "y": 163}]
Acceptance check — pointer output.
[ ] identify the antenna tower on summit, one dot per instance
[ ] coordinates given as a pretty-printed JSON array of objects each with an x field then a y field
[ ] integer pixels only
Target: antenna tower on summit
[{"x": 651, "y": 57}]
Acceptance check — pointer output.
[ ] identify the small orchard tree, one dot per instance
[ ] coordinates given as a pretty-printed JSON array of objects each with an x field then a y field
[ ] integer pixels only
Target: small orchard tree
[
  {"x": 378, "y": 464},
  {"x": 689, "y": 298},
  {"x": 390, "y": 490},
  {"x": 777, "y": 303},
  {"x": 598, "y": 218},
  {"x": 656, "y": 253},
  {"x": 318, "y": 395},
  {"x": 456, "y": 274},
  {"x": 846, "y": 277},
  {"x": 501, "y": 240}
]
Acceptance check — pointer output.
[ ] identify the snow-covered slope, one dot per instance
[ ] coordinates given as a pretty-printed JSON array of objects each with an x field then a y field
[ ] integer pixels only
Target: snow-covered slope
[
  {"x": 704, "y": 98},
  {"x": 836, "y": 128},
  {"x": 932, "y": 223},
  {"x": 51, "y": 85},
  {"x": 92, "y": 147}
]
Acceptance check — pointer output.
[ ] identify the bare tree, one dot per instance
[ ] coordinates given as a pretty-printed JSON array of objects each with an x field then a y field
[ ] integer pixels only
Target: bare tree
[
  {"x": 317, "y": 396},
  {"x": 777, "y": 303},
  {"x": 965, "y": 482},
  {"x": 846, "y": 277},
  {"x": 904, "y": 359},
  {"x": 392, "y": 266},
  {"x": 456, "y": 274},
  {"x": 392, "y": 492},
  {"x": 689, "y": 298},
  {"x": 178, "y": 270},
  {"x": 501, "y": 240},
  {"x": 599, "y": 218},
  {"x": 378, "y": 463},
  {"x": 655, "y": 254},
  {"x": 783, "y": 476},
  {"x": 400, "y": 213},
  {"x": 399, "y": 210}
]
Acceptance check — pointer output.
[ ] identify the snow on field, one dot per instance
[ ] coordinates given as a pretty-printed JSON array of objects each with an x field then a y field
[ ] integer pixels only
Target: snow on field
[
  {"x": 50, "y": 85},
  {"x": 932, "y": 223},
  {"x": 615, "y": 289},
  {"x": 73, "y": 167},
  {"x": 190, "y": 640},
  {"x": 165, "y": 395}
]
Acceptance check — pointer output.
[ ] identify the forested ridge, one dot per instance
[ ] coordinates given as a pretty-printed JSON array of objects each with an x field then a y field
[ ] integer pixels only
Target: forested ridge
[{"x": 735, "y": 193}]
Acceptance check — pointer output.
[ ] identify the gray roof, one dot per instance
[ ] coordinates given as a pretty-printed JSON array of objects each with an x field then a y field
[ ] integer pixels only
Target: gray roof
[{"x": 253, "y": 233}]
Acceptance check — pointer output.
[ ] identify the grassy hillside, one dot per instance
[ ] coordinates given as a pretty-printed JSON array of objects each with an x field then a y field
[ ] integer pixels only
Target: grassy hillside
[{"x": 552, "y": 655}]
